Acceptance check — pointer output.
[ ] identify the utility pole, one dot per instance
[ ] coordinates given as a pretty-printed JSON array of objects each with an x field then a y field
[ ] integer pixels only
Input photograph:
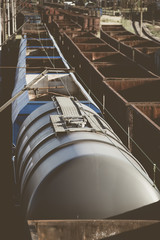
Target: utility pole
[
  {"x": 13, "y": 29},
  {"x": 0, "y": 43},
  {"x": 4, "y": 19},
  {"x": 15, "y": 15},
  {"x": 8, "y": 8},
  {"x": 0, "y": 28},
  {"x": 141, "y": 17}
]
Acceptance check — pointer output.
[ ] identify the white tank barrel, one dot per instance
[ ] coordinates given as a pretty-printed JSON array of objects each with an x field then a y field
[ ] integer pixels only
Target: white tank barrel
[{"x": 70, "y": 164}]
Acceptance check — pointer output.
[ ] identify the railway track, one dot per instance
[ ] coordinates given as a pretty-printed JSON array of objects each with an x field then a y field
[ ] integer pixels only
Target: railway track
[
  {"x": 151, "y": 36},
  {"x": 151, "y": 22},
  {"x": 145, "y": 31}
]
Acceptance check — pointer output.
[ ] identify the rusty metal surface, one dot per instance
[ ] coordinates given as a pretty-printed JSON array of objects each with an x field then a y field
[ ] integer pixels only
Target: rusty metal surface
[
  {"x": 152, "y": 110},
  {"x": 64, "y": 17},
  {"x": 94, "y": 229},
  {"x": 80, "y": 17},
  {"x": 141, "y": 50}
]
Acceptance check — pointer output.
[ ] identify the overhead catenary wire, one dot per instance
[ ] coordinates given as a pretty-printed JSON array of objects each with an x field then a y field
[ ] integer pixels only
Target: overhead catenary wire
[
  {"x": 51, "y": 61},
  {"x": 22, "y": 90},
  {"x": 32, "y": 82},
  {"x": 57, "y": 70},
  {"x": 44, "y": 48}
]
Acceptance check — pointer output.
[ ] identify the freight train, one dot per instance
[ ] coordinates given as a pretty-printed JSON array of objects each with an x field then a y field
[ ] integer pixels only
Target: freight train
[
  {"x": 71, "y": 165},
  {"x": 68, "y": 162}
]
